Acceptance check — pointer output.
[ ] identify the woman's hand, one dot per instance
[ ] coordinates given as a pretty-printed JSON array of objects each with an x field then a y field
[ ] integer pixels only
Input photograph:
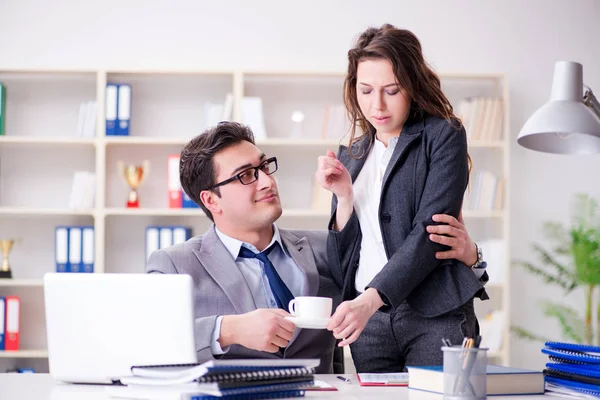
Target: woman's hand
[
  {"x": 333, "y": 176},
  {"x": 351, "y": 317}
]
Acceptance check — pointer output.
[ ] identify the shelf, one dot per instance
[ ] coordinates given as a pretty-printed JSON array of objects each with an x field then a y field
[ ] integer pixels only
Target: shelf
[
  {"x": 23, "y": 211},
  {"x": 191, "y": 212},
  {"x": 156, "y": 212},
  {"x": 21, "y": 282},
  {"x": 152, "y": 141},
  {"x": 42, "y": 140},
  {"x": 137, "y": 140},
  {"x": 24, "y": 354},
  {"x": 483, "y": 214}
]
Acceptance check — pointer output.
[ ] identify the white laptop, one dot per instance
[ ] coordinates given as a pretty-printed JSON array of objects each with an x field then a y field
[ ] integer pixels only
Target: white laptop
[{"x": 99, "y": 325}]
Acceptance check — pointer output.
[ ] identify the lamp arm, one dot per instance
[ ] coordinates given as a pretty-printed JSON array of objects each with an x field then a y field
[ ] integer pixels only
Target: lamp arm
[{"x": 591, "y": 101}]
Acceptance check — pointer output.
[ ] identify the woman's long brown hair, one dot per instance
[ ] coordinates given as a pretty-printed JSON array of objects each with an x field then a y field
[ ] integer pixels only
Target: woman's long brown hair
[{"x": 403, "y": 50}]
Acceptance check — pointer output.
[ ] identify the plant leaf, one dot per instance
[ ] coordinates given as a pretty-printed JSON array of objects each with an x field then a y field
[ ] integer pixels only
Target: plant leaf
[
  {"x": 525, "y": 334},
  {"x": 572, "y": 324},
  {"x": 566, "y": 284}
]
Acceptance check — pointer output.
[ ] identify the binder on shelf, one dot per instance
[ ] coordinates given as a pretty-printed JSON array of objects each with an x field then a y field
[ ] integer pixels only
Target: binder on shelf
[
  {"x": 173, "y": 182},
  {"x": 152, "y": 240},
  {"x": 13, "y": 309},
  {"x": 61, "y": 248},
  {"x": 181, "y": 234},
  {"x": 166, "y": 237},
  {"x": 87, "y": 250},
  {"x": 2, "y": 108},
  {"x": 2, "y": 320},
  {"x": 110, "y": 109},
  {"x": 187, "y": 202},
  {"x": 159, "y": 237},
  {"x": 75, "y": 249},
  {"x": 123, "y": 109}
]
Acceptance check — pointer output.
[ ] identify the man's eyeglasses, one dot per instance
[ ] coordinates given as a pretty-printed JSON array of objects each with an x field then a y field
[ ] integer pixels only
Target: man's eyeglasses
[{"x": 250, "y": 175}]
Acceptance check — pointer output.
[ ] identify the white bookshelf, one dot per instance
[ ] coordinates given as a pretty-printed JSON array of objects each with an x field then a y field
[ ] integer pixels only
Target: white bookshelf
[
  {"x": 24, "y": 354},
  {"x": 40, "y": 152}
]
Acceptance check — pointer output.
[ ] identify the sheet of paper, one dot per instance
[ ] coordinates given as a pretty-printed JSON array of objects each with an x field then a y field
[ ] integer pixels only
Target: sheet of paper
[{"x": 398, "y": 377}]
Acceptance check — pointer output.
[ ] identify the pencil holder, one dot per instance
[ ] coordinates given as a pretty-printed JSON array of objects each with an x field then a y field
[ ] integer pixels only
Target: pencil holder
[{"x": 465, "y": 373}]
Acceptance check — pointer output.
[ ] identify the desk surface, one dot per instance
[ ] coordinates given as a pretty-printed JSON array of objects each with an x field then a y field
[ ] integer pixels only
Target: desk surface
[{"x": 43, "y": 387}]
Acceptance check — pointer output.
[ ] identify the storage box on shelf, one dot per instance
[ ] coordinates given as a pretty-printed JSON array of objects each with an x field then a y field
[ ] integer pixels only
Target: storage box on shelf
[{"x": 297, "y": 116}]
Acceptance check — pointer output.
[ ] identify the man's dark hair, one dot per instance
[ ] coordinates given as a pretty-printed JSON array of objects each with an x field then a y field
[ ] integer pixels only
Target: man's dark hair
[{"x": 196, "y": 168}]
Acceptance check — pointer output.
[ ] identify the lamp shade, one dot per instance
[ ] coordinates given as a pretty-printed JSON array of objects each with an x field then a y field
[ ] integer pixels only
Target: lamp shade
[{"x": 564, "y": 125}]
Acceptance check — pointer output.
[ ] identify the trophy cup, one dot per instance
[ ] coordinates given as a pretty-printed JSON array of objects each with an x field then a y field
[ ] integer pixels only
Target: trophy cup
[
  {"x": 5, "y": 247},
  {"x": 133, "y": 175}
]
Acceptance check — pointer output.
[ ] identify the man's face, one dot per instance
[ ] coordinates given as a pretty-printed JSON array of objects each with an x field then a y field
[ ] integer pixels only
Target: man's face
[{"x": 249, "y": 207}]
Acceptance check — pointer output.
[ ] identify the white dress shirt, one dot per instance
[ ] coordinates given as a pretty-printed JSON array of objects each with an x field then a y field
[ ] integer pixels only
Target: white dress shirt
[
  {"x": 254, "y": 274},
  {"x": 367, "y": 195}
]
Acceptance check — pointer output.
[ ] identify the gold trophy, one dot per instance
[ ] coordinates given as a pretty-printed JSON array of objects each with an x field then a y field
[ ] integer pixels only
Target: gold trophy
[
  {"x": 5, "y": 247},
  {"x": 133, "y": 175}
]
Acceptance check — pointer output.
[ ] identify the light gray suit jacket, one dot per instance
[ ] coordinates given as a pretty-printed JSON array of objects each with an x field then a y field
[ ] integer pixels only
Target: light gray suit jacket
[{"x": 220, "y": 289}]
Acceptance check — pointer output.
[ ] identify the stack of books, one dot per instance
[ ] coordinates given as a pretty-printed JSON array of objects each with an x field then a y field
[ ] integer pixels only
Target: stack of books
[
  {"x": 251, "y": 379},
  {"x": 573, "y": 370}
]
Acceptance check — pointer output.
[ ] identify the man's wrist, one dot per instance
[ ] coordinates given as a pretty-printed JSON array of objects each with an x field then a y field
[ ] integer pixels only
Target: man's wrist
[{"x": 227, "y": 336}]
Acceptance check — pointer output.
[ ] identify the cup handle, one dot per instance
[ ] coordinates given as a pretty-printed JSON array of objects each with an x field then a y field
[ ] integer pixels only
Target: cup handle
[{"x": 292, "y": 307}]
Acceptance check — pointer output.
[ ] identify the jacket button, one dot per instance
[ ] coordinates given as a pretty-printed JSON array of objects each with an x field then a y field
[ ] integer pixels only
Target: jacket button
[{"x": 386, "y": 218}]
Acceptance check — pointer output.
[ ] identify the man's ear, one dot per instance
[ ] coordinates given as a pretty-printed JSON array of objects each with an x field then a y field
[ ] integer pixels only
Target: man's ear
[{"x": 210, "y": 201}]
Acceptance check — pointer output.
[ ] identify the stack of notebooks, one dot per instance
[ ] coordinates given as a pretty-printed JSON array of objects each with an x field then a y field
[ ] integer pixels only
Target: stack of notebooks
[
  {"x": 248, "y": 379},
  {"x": 574, "y": 369}
]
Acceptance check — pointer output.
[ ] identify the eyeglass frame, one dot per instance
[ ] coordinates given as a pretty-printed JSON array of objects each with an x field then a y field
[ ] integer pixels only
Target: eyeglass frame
[{"x": 237, "y": 176}]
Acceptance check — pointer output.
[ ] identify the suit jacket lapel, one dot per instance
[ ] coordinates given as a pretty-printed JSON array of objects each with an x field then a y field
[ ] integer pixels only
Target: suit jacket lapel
[
  {"x": 217, "y": 261},
  {"x": 360, "y": 149},
  {"x": 409, "y": 133},
  {"x": 301, "y": 252}
]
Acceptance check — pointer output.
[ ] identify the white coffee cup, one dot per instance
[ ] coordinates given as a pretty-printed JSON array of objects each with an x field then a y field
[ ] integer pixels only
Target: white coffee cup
[{"x": 310, "y": 307}]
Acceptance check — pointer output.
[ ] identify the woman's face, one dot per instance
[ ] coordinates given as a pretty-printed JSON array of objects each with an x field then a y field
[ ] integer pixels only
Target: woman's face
[{"x": 381, "y": 99}]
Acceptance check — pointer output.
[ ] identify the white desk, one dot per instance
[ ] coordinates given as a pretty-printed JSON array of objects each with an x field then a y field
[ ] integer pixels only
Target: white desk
[{"x": 43, "y": 387}]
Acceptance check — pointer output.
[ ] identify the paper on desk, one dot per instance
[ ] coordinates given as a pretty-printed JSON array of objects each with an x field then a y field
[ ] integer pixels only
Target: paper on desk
[
  {"x": 321, "y": 386},
  {"x": 390, "y": 379}
]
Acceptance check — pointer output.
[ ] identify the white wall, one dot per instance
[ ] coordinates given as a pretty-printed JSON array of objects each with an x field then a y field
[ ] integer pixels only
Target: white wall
[{"x": 521, "y": 38}]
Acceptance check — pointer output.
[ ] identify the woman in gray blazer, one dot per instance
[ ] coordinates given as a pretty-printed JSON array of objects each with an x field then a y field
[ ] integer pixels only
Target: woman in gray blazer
[{"x": 407, "y": 162}]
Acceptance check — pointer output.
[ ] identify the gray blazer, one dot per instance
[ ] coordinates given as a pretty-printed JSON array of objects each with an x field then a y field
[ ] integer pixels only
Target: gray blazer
[
  {"x": 220, "y": 289},
  {"x": 427, "y": 175}
]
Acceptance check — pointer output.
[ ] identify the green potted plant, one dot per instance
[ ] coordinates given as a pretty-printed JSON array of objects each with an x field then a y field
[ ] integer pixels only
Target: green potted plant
[{"x": 571, "y": 261}]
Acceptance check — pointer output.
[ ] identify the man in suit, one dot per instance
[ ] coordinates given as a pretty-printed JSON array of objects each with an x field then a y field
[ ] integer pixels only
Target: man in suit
[
  {"x": 239, "y": 314},
  {"x": 241, "y": 302}
]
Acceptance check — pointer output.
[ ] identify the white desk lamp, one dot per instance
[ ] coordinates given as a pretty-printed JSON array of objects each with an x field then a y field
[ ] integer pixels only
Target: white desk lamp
[{"x": 570, "y": 122}]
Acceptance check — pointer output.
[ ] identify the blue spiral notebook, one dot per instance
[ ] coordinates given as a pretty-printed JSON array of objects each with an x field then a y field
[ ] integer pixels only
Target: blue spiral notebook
[
  {"x": 585, "y": 388},
  {"x": 572, "y": 353},
  {"x": 284, "y": 394}
]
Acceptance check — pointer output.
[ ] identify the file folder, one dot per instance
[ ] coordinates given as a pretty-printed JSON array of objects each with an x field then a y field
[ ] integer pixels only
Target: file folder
[
  {"x": 74, "y": 249},
  {"x": 61, "y": 249},
  {"x": 87, "y": 250},
  {"x": 187, "y": 202},
  {"x": 13, "y": 309},
  {"x": 173, "y": 182},
  {"x": 181, "y": 234},
  {"x": 166, "y": 237},
  {"x": 2, "y": 107},
  {"x": 2, "y": 320},
  {"x": 152, "y": 240},
  {"x": 110, "y": 109},
  {"x": 123, "y": 109}
]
